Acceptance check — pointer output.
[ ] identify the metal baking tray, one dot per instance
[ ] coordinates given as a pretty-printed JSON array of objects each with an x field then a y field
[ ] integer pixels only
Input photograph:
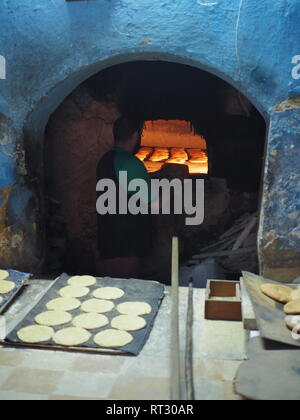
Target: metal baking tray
[
  {"x": 135, "y": 290},
  {"x": 19, "y": 279}
]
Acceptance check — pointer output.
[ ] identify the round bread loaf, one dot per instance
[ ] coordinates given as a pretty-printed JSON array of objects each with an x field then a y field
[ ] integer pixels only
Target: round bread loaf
[
  {"x": 293, "y": 307},
  {"x": 278, "y": 293}
]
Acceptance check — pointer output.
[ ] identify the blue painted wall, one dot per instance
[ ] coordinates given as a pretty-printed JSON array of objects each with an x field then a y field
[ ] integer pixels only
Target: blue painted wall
[{"x": 50, "y": 46}]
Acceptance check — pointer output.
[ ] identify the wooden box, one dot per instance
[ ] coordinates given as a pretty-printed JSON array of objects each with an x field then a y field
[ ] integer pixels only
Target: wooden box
[{"x": 223, "y": 301}]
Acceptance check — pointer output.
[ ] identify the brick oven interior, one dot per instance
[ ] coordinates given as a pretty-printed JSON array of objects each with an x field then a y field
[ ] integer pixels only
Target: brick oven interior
[{"x": 176, "y": 101}]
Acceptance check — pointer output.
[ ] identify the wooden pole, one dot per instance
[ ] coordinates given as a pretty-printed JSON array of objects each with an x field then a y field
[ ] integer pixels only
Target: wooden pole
[
  {"x": 246, "y": 232},
  {"x": 175, "y": 349},
  {"x": 189, "y": 359}
]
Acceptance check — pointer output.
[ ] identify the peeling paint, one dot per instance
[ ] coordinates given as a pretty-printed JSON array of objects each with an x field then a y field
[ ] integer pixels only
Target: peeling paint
[
  {"x": 291, "y": 103},
  {"x": 4, "y": 195},
  {"x": 295, "y": 215},
  {"x": 5, "y": 234},
  {"x": 296, "y": 232},
  {"x": 146, "y": 41},
  {"x": 4, "y": 140},
  {"x": 14, "y": 240},
  {"x": 201, "y": 3}
]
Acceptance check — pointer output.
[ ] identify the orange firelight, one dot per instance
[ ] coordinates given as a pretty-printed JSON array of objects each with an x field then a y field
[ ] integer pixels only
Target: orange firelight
[{"x": 173, "y": 142}]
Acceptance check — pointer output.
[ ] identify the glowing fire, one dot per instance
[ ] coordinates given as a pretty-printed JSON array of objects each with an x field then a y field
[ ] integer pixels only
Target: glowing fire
[
  {"x": 173, "y": 142},
  {"x": 155, "y": 158}
]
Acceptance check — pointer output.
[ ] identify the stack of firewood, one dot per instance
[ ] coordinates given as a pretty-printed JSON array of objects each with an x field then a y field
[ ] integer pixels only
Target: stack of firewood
[{"x": 236, "y": 249}]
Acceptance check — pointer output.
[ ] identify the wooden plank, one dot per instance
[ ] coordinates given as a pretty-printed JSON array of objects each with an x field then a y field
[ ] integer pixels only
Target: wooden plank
[
  {"x": 249, "y": 318},
  {"x": 270, "y": 315},
  {"x": 269, "y": 374},
  {"x": 237, "y": 227},
  {"x": 175, "y": 348},
  {"x": 230, "y": 253},
  {"x": 220, "y": 244},
  {"x": 246, "y": 232}
]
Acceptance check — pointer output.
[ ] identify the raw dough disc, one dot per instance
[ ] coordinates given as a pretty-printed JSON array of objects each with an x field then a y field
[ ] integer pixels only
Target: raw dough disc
[
  {"x": 295, "y": 295},
  {"x": 82, "y": 281},
  {"x": 134, "y": 308},
  {"x": 6, "y": 286},
  {"x": 293, "y": 307},
  {"x": 71, "y": 337},
  {"x": 4, "y": 274},
  {"x": 279, "y": 293},
  {"x": 113, "y": 338},
  {"x": 128, "y": 323},
  {"x": 97, "y": 306},
  {"x": 74, "y": 291},
  {"x": 293, "y": 321},
  {"x": 63, "y": 304},
  {"x": 108, "y": 293},
  {"x": 90, "y": 321},
  {"x": 53, "y": 318},
  {"x": 35, "y": 334}
]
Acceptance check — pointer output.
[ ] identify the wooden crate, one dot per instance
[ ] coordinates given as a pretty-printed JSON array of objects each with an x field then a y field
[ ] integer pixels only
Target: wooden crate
[{"x": 223, "y": 301}]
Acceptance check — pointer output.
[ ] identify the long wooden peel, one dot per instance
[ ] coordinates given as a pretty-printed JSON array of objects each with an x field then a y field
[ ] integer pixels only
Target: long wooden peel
[
  {"x": 189, "y": 365},
  {"x": 175, "y": 348}
]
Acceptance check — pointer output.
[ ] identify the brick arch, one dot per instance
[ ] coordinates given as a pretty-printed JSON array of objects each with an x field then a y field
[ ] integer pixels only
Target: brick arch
[{"x": 36, "y": 123}]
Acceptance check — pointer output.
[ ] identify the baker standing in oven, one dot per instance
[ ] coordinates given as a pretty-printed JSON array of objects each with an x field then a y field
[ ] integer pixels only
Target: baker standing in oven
[{"x": 124, "y": 239}]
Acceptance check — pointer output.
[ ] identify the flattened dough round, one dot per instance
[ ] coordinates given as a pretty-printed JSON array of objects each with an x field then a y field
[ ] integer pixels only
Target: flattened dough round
[
  {"x": 128, "y": 323},
  {"x": 82, "y": 281},
  {"x": 35, "y": 334},
  {"x": 74, "y": 291},
  {"x": 108, "y": 293},
  {"x": 53, "y": 318},
  {"x": 6, "y": 286},
  {"x": 4, "y": 274},
  {"x": 71, "y": 337},
  {"x": 113, "y": 338},
  {"x": 293, "y": 307},
  {"x": 134, "y": 308},
  {"x": 295, "y": 294},
  {"x": 63, "y": 304},
  {"x": 97, "y": 306},
  {"x": 279, "y": 293},
  {"x": 292, "y": 321},
  {"x": 90, "y": 321}
]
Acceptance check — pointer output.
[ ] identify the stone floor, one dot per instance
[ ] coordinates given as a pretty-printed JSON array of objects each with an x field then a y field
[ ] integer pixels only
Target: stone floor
[{"x": 50, "y": 375}]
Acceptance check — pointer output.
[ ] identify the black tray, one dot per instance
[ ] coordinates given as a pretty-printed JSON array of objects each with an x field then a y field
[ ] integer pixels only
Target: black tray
[
  {"x": 19, "y": 279},
  {"x": 135, "y": 290}
]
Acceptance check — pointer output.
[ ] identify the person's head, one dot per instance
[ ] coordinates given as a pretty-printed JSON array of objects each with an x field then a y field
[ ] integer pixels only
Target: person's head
[{"x": 127, "y": 134}]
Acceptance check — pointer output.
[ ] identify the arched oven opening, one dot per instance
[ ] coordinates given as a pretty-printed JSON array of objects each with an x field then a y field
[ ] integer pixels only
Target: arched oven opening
[{"x": 197, "y": 126}]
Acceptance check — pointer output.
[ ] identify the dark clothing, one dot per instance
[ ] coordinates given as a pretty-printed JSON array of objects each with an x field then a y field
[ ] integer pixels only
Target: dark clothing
[
  {"x": 122, "y": 267},
  {"x": 123, "y": 235}
]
